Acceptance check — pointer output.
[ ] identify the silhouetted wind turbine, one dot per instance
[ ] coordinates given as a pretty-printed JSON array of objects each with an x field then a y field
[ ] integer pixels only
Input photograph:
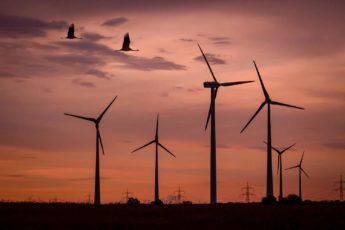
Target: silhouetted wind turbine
[
  {"x": 97, "y": 120},
  {"x": 156, "y": 141},
  {"x": 269, "y": 102},
  {"x": 212, "y": 114},
  {"x": 126, "y": 43},
  {"x": 70, "y": 33},
  {"x": 280, "y": 167},
  {"x": 300, "y": 170}
]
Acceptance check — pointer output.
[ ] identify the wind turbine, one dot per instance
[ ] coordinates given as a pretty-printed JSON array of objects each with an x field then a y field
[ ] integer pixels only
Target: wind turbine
[
  {"x": 214, "y": 86},
  {"x": 97, "y": 199},
  {"x": 300, "y": 170},
  {"x": 157, "y": 143},
  {"x": 280, "y": 167},
  {"x": 269, "y": 102}
]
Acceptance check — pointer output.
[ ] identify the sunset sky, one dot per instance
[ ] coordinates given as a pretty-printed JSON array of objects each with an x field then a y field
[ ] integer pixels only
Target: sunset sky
[{"x": 299, "y": 47}]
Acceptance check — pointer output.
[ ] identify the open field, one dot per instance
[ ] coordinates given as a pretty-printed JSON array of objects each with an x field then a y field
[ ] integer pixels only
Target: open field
[{"x": 197, "y": 216}]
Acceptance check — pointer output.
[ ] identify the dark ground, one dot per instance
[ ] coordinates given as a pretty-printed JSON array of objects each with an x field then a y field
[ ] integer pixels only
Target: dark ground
[{"x": 196, "y": 216}]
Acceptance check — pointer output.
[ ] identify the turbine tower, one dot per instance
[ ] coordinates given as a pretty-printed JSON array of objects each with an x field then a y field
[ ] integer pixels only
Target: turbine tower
[
  {"x": 214, "y": 86},
  {"x": 280, "y": 167},
  {"x": 157, "y": 143},
  {"x": 269, "y": 102},
  {"x": 300, "y": 170},
  {"x": 97, "y": 199}
]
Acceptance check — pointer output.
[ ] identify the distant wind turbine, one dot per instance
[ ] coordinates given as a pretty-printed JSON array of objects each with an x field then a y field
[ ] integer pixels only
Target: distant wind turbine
[
  {"x": 97, "y": 120},
  {"x": 300, "y": 170},
  {"x": 214, "y": 86},
  {"x": 280, "y": 167},
  {"x": 269, "y": 102},
  {"x": 126, "y": 43},
  {"x": 157, "y": 143}
]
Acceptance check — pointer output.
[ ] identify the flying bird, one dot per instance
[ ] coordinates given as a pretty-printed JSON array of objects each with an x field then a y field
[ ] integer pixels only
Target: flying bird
[
  {"x": 70, "y": 33},
  {"x": 126, "y": 43}
]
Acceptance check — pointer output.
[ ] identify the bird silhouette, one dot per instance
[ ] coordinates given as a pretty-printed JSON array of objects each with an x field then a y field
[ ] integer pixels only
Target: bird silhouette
[
  {"x": 70, "y": 33},
  {"x": 126, "y": 43}
]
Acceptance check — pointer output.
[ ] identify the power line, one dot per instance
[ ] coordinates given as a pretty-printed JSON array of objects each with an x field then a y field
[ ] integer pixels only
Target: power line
[
  {"x": 179, "y": 194},
  {"x": 127, "y": 193},
  {"x": 248, "y": 192},
  {"x": 340, "y": 188}
]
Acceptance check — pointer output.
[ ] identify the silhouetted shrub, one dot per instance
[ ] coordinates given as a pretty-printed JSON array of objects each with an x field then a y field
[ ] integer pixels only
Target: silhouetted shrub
[
  {"x": 294, "y": 199},
  {"x": 133, "y": 201},
  {"x": 269, "y": 200},
  {"x": 157, "y": 202}
]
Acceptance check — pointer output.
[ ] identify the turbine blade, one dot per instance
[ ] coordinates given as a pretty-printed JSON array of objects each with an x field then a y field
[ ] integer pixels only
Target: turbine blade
[
  {"x": 209, "y": 67},
  {"x": 208, "y": 116},
  {"x": 297, "y": 166},
  {"x": 144, "y": 146},
  {"x": 210, "y": 110},
  {"x": 261, "y": 82},
  {"x": 274, "y": 148},
  {"x": 102, "y": 114},
  {"x": 261, "y": 106},
  {"x": 300, "y": 163},
  {"x": 235, "y": 83},
  {"x": 100, "y": 140},
  {"x": 305, "y": 173},
  {"x": 216, "y": 92},
  {"x": 157, "y": 124},
  {"x": 166, "y": 149},
  {"x": 282, "y": 104},
  {"x": 81, "y": 117},
  {"x": 278, "y": 164},
  {"x": 288, "y": 147}
]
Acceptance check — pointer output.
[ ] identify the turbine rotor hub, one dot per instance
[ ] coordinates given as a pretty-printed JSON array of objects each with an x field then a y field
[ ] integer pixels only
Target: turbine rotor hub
[{"x": 211, "y": 84}]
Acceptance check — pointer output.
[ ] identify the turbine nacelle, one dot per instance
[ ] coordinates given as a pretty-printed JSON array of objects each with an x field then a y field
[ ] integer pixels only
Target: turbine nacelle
[
  {"x": 299, "y": 166},
  {"x": 266, "y": 101},
  {"x": 96, "y": 121},
  {"x": 215, "y": 85},
  {"x": 211, "y": 84},
  {"x": 156, "y": 141}
]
